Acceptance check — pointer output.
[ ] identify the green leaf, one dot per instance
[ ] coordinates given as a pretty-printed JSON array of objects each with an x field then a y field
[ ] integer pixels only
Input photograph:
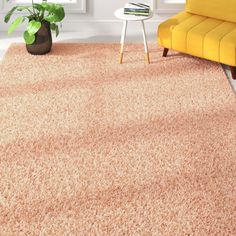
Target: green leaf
[
  {"x": 47, "y": 6},
  {"x": 55, "y": 28},
  {"x": 9, "y": 14},
  {"x": 38, "y": 6},
  {"x": 22, "y": 8},
  {"x": 56, "y": 12},
  {"x": 16, "y": 8},
  {"x": 59, "y": 12},
  {"x": 57, "y": 31},
  {"x": 15, "y": 24},
  {"x": 29, "y": 38},
  {"x": 33, "y": 27}
]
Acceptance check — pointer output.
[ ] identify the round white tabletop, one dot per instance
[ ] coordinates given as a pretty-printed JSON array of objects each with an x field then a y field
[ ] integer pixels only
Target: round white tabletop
[{"x": 120, "y": 15}]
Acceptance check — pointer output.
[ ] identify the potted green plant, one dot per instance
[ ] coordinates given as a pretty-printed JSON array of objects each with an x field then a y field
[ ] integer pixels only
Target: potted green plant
[{"x": 41, "y": 19}]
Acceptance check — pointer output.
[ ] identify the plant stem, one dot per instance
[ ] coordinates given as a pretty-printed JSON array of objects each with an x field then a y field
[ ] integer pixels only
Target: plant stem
[
  {"x": 30, "y": 11},
  {"x": 33, "y": 7}
]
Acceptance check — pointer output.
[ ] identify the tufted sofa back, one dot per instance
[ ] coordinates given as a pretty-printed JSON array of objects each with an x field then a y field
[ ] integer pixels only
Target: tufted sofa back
[{"x": 218, "y": 9}]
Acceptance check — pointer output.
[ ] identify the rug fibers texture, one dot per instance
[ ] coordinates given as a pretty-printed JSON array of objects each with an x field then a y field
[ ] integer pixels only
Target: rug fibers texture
[{"x": 91, "y": 147}]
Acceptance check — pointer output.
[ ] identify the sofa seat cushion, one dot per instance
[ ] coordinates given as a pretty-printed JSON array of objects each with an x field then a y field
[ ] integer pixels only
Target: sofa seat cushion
[{"x": 200, "y": 36}]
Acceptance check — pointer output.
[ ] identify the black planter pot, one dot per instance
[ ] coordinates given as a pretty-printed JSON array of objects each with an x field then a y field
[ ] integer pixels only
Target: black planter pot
[{"x": 43, "y": 40}]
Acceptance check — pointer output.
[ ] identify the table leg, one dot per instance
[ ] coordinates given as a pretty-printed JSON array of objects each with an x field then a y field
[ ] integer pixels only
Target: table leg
[
  {"x": 122, "y": 42},
  {"x": 145, "y": 41}
]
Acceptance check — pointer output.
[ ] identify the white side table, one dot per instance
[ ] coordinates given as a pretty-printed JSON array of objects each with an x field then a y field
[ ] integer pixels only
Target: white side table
[{"x": 120, "y": 15}]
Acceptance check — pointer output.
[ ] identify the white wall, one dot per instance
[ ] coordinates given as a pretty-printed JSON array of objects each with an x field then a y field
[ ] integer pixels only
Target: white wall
[{"x": 99, "y": 18}]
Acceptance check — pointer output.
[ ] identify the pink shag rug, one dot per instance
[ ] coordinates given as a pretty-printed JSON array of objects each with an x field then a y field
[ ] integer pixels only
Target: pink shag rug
[{"x": 91, "y": 147}]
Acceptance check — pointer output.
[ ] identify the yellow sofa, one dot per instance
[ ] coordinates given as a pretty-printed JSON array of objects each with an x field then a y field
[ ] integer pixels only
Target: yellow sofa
[{"x": 206, "y": 29}]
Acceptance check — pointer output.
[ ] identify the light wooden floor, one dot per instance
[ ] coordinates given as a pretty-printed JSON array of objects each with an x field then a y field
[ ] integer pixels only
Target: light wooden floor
[{"x": 64, "y": 37}]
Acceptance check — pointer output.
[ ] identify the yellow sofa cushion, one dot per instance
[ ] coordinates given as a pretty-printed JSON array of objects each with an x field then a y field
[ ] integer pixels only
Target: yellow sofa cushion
[
  {"x": 165, "y": 28},
  {"x": 218, "y": 9},
  {"x": 200, "y": 36}
]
